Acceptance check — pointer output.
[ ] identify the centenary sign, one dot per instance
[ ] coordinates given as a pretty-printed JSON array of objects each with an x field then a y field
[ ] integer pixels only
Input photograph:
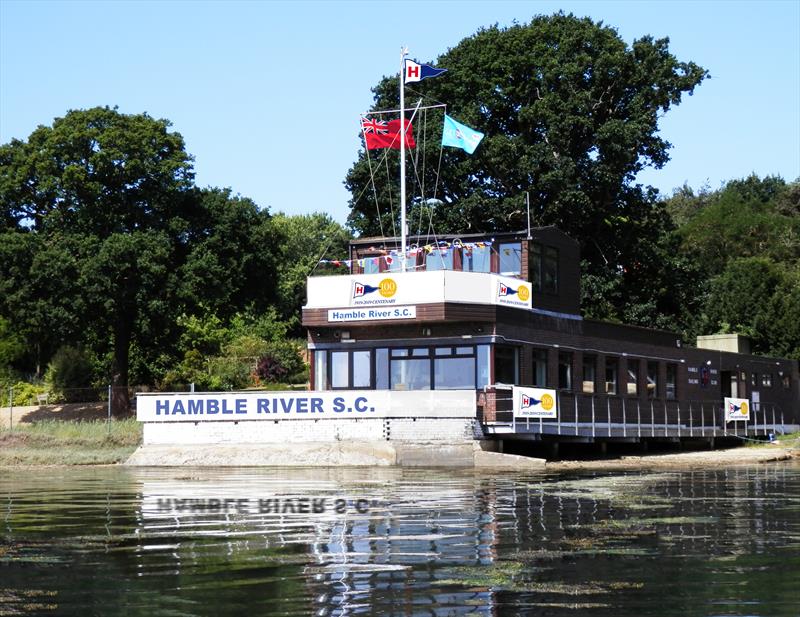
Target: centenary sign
[
  {"x": 355, "y": 294},
  {"x": 235, "y": 406},
  {"x": 535, "y": 403},
  {"x": 737, "y": 409}
]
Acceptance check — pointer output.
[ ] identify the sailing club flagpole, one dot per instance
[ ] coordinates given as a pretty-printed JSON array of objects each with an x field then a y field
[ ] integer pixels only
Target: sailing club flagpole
[{"x": 403, "y": 53}]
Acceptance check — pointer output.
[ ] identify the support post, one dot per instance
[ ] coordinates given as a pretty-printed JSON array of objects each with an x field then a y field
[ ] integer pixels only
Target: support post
[{"x": 108, "y": 418}]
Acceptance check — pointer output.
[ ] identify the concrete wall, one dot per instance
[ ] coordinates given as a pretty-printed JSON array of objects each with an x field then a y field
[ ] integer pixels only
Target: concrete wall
[{"x": 332, "y": 430}]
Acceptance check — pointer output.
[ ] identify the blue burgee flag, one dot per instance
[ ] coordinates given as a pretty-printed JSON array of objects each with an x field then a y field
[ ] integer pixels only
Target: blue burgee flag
[
  {"x": 418, "y": 72},
  {"x": 459, "y": 136}
]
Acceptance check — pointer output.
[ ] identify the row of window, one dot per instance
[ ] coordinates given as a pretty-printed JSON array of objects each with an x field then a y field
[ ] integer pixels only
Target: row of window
[
  {"x": 766, "y": 380},
  {"x": 468, "y": 367},
  {"x": 608, "y": 383},
  {"x": 403, "y": 368},
  {"x": 542, "y": 263}
]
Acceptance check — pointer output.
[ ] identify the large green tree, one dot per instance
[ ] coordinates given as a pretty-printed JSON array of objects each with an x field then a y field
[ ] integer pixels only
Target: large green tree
[
  {"x": 106, "y": 240},
  {"x": 744, "y": 243},
  {"x": 111, "y": 184},
  {"x": 570, "y": 115}
]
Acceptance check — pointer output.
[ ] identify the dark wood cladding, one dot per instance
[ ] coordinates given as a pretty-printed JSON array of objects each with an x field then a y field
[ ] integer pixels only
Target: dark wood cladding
[{"x": 426, "y": 313}]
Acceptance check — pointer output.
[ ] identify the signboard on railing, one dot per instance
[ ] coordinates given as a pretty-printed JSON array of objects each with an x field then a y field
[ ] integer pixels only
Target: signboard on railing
[
  {"x": 737, "y": 409},
  {"x": 535, "y": 403}
]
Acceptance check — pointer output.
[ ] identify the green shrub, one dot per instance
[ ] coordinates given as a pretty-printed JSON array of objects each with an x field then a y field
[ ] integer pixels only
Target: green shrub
[{"x": 70, "y": 375}]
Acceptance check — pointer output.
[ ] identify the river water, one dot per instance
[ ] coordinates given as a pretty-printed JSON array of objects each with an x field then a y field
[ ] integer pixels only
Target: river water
[{"x": 117, "y": 541}]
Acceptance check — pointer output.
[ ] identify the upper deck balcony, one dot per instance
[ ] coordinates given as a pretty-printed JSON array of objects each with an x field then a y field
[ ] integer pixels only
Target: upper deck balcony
[{"x": 455, "y": 278}]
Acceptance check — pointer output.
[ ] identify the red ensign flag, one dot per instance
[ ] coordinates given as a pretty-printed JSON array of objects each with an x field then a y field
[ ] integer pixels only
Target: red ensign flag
[{"x": 385, "y": 134}]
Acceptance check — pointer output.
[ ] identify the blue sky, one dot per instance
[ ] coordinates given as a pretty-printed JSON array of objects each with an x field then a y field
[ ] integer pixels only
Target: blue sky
[{"x": 267, "y": 94}]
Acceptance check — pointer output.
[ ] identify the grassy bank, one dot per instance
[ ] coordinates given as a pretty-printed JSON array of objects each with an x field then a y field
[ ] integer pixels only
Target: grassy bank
[{"x": 60, "y": 442}]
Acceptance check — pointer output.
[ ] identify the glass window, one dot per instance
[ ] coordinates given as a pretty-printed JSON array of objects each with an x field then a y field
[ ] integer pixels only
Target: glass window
[
  {"x": 381, "y": 369},
  {"x": 540, "y": 368},
  {"x": 766, "y": 380},
  {"x": 439, "y": 259},
  {"x": 589, "y": 370},
  {"x": 411, "y": 374},
  {"x": 612, "y": 375},
  {"x": 510, "y": 258},
  {"x": 443, "y": 351},
  {"x": 672, "y": 382},
  {"x": 362, "y": 369},
  {"x": 505, "y": 365},
  {"x": 320, "y": 370},
  {"x": 550, "y": 270},
  {"x": 464, "y": 351},
  {"x": 484, "y": 352},
  {"x": 476, "y": 258},
  {"x": 633, "y": 377},
  {"x": 565, "y": 371},
  {"x": 652, "y": 380},
  {"x": 399, "y": 352},
  {"x": 454, "y": 373},
  {"x": 787, "y": 381},
  {"x": 535, "y": 266},
  {"x": 420, "y": 352},
  {"x": 340, "y": 369},
  {"x": 754, "y": 379}
]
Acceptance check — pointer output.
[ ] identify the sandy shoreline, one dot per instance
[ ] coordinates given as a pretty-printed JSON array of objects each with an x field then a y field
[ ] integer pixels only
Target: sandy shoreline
[{"x": 778, "y": 451}]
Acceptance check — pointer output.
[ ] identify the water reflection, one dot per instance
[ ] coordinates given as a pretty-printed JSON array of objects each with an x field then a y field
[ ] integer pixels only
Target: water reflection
[{"x": 393, "y": 541}]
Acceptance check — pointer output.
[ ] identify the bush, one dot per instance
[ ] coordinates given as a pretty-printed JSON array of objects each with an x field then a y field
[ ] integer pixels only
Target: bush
[
  {"x": 282, "y": 363},
  {"x": 70, "y": 375}
]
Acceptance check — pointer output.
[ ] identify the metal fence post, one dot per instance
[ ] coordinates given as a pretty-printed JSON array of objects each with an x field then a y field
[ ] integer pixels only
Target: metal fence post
[
  {"x": 639, "y": 418},
  {"x": 11, "y": 408},
  {"x": 593, "y": 430},
  {"x": 608, "y": 409},
  {"x": 576, "y": 414},
  {"x": 702, "y": 421},
  {"x": 624, "y": 420},
  {"x": 652, "y": 420},
  {"x": 691, "y": 421},
  {"x": 108, "y": 419}
]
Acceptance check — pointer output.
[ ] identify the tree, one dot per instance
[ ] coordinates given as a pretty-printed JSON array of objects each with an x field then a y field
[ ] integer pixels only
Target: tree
[
  {"x": 745, "y": 218},
  {"x": 113, "y": 185},
  {"x": 570, "y": 114},
  {"x": 761, "y": 299},
  {"x": 302, "y": 241}
]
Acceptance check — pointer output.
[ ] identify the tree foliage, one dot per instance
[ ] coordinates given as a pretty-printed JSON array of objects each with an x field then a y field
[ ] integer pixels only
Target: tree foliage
[
  {"x": 744, "y": 242},
  {"x": 106, "y": 241},
  {"x": 570, "y": 114}
]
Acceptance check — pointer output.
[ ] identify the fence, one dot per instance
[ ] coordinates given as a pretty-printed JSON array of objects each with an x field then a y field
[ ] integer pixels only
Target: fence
[{"x": 597, "y": 415}]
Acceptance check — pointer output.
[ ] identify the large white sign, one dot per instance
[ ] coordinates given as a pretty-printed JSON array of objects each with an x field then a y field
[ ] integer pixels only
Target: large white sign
[
  {"x": 535, "y": 403},
  {"x": 737, "y": 409},
  {"x": 373, "y": 314},
  {"x": 404, "y": 290},
  {"x": 235, "y": 406}
]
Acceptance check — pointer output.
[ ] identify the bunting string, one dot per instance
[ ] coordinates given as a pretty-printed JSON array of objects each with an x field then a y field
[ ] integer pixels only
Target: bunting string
[{"x": 389, "y": 256}]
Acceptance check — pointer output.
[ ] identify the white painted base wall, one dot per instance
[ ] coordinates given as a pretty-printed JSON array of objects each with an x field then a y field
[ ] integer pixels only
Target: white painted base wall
[{"x": 306, "y": 431}]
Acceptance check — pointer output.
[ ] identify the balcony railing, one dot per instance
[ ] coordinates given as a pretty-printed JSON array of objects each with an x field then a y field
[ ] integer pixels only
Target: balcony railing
[{"x": 598, "y": 415}]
